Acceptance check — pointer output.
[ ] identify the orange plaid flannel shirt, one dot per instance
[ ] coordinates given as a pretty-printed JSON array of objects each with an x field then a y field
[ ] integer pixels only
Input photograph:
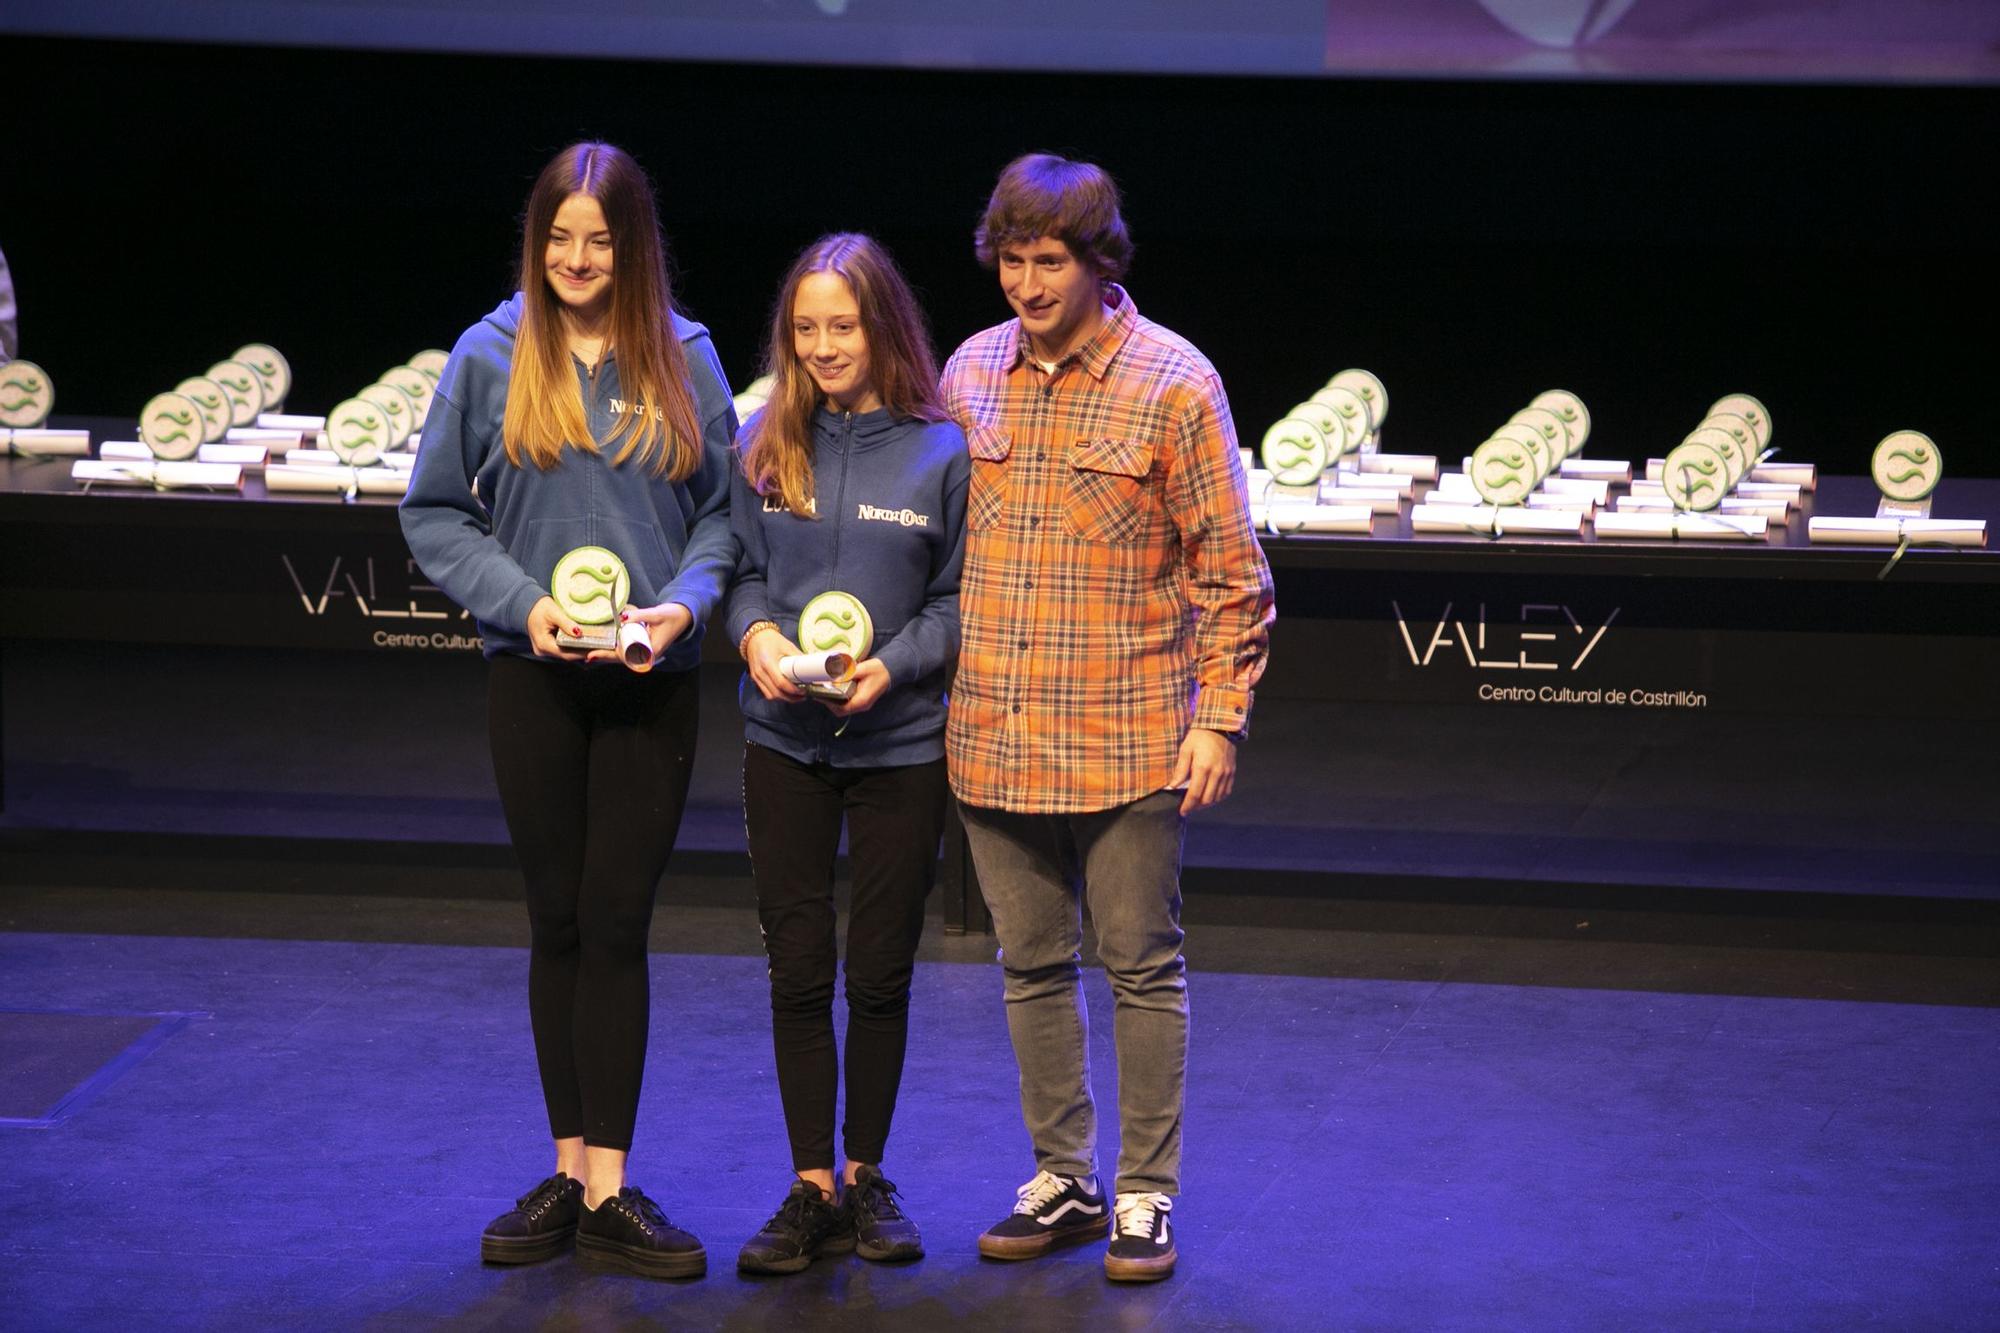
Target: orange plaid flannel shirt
[{"x": 1114, "y": 593}]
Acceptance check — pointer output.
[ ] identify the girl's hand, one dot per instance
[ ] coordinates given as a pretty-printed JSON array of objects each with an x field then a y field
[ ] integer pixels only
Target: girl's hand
[
  {"x": 871, "y": 682},
  {"x": 761, "y": 654},
  {"x": 545, "y": 620}
]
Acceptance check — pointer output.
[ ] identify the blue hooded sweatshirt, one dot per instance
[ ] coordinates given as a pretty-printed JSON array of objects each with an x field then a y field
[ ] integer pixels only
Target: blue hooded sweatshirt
[
  {"x": 488, "y": 533},
  {"x": 890, "y": 496}
]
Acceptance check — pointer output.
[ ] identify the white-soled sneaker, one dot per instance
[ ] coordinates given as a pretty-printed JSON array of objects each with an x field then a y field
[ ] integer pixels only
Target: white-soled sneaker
[
  {"x": 1051, "y": 1210},
  {"x": 1142, "y": 1239}
]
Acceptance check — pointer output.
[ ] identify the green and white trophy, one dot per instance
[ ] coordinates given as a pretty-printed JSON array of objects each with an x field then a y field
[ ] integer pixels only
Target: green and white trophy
[
  {"x": 1906, "y": 467},
  {"x": 836, "y": 632}
]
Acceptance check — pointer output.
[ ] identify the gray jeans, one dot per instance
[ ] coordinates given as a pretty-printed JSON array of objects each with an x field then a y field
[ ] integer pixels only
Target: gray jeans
[{"x": 1126, "y": 861}]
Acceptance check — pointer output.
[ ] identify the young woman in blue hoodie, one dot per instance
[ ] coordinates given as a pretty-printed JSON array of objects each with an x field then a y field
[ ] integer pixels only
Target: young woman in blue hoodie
[
  {"x": 585, "y": 412},
  {"x": 852, "y": 479}
]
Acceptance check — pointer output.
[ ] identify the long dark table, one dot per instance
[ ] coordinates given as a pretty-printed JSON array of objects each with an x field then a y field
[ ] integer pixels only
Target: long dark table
[{"x": 1519, "y": 623}]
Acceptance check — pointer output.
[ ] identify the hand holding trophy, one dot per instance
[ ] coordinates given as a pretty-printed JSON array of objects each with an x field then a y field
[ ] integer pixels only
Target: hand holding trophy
[
  {"x": 591, "y": 586},
  {"x": 836, "y": 632}
]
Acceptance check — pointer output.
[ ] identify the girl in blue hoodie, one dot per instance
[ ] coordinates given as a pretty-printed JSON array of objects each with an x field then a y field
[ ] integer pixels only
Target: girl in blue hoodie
[
  {"x": 584, "y": 412},
  {"x": 853, "y": 479}
]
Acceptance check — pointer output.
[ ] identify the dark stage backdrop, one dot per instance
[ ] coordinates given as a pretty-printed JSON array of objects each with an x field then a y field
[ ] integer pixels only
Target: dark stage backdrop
[{"x": 1649, "y": 246}]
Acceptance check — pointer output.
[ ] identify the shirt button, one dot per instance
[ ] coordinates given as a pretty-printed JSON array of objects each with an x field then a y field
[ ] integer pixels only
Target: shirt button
[
  {"x": 1017, "y": 708},
  {"x": 1028, "y": 584},
  {"x": 1035, "y": 522},
  {"x": 1024, "y": 648}
]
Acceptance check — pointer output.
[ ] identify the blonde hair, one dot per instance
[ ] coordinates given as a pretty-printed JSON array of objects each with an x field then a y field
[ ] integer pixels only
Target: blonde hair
[
  {"x": 777, "y": 444},
  {"x": 545, "y": 412}
]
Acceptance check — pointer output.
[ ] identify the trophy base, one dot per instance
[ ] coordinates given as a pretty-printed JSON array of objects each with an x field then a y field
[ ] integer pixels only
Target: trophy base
[
  {"x": 593, "y": 636},
  {"x": 839, "y": 692}
]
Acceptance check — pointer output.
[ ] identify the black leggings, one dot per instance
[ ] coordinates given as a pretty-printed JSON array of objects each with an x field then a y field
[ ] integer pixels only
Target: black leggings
[
  {"x": 592, "y": 765},
  {"x": 792, "y": 812}
]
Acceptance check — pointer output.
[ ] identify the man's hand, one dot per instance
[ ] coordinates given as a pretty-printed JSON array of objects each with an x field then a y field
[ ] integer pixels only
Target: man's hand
[{"x": 1206, "y": 765}]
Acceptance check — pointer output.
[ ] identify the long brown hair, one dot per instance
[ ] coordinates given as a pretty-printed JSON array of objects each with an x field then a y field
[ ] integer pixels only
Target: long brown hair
[
  {"x": 545, "y": 412},
  {"x": 777, "y": 444}
]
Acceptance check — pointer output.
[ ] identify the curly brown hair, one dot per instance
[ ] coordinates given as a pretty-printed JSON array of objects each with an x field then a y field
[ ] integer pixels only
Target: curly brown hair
[{"x": 1040, "y": 194}]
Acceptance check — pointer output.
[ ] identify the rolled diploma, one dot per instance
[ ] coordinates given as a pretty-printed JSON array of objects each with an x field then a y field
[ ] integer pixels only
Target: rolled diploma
[
  {"x": 1437, "y": 517},
  {"x": 291, "y": 424},
  {"x": 328, "y": 458},
  {"x": 816, "y": 668},
  {"x": 1686, "y": 527},
  {"x": 1287, "y": 517},
  {"x": 1595, "y": 469},
  {"x": 635, "y": 645},
  {"x": 1341, "y": 479},
  {"x": 1802, "y": 475},
  {"x": 1889, "y": 531},
  {"x": 264, "y": 435},
  {"x": 149, "y": 473},
  {"x": 1597, "y": 492},
  {"x": 289, "y": 477},
  {"x": 1418, "y": 467},
  {"x": 1656, "y": 500},
  {"x": 37, "y": 442}
]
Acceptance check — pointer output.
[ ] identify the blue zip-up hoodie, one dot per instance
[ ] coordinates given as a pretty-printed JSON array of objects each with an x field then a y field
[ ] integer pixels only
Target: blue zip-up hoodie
[
  {"x": 890, "y": 495},
  {"x": 493, "y": 549}
]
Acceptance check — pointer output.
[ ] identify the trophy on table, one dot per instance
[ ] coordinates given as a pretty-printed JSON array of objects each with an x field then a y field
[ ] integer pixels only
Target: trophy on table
[
  {"x": 1906, "y": 467},
  {"x": 836, "y": 632},
  {"x": 591, "y": 586}
]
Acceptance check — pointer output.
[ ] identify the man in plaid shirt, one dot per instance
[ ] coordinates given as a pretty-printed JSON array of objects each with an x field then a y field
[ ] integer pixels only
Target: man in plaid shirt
[{"x": 1114, "y": 615}]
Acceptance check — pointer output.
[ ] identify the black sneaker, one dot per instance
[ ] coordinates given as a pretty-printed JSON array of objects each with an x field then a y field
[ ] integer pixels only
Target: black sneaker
[
  {"x": 806, "y": 1225},
  {"x": 881, "y": 1232},
  {"x": 1142, "y": 1241},
  {"x": 1053, "y": 1210},
  {"x": 629, "y": 1231},
  {"x": 541, "y": 1224}
]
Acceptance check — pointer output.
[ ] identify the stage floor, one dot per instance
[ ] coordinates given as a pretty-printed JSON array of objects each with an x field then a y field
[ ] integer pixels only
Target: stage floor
[{"x": 1438, "y": 1121}]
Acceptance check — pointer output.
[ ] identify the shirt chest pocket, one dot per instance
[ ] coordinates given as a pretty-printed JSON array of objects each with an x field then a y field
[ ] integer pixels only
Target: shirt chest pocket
[
  {"x": 1110, "y": 494},
  {"x": 986, "y": 498}
]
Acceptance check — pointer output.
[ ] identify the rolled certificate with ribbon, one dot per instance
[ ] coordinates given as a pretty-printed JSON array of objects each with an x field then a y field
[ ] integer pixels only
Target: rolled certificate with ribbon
[{"x": 816, "y": 668}]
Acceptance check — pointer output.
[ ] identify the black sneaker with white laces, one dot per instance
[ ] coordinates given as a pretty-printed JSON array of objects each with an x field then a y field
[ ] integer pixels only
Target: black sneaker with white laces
[
  {"x": 806, "y": 1225},
  {"x": 1052, "y": 1210},
  {"x": 540, "y": 1225},
  {"x": 881, "y": 1231},
  {"x": 629, "y": 1231},
  {"x": 1142, "y": 1239}
]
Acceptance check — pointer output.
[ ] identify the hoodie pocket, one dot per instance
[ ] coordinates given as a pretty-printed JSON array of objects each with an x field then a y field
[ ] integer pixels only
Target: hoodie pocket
[
  {"x": 986, "y": 500},
  {"x": 644, "y": 552},
  {"x": 546, "y": 541}
]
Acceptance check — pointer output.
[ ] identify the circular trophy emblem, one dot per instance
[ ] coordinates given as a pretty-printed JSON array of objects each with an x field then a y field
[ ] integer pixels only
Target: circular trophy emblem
[
  {"x": 270, "y": 363},
  {"x": 1695, "y": 477},
  {"x": 397, "y": 407},
  {"x": 1330, "y": 423},
  {"x": 1734, "y": 460},
  {"x": 836, "y": 622},
  {"x": 1503, "y": 471},
  {"x": 1355, "y": 415},
  {"x": 357, "y": 431},
  {"x": 430, "y": 361},
  {"x": 26, "y": 395},
  {"x": 416, "y": 385},
  {"x": 590, "y": 584},
  {"x": 1572, "y": 412},
  {"x": 1539, "y": 452},
  {"x": 208, "y": 396},
  {"x": 1369, "y": 390},
  {"x": 1295, "y": 451},
  {"x": 245, "y": 388},
  {"x": 1907, "y": 466},
  {"x": 1752, "y": 411},
  {"x": 171, "y": 425},
  {"x": 1739, "y": 430},
  {"x": 1548, "y": 425}
]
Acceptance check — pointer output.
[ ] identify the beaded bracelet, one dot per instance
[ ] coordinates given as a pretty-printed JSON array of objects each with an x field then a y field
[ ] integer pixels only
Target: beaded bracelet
[{"x": 756, "y": 628}]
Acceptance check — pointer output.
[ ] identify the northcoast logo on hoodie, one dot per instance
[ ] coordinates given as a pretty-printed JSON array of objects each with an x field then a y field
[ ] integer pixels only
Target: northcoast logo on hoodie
[{"x": 908, "y": 518}]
